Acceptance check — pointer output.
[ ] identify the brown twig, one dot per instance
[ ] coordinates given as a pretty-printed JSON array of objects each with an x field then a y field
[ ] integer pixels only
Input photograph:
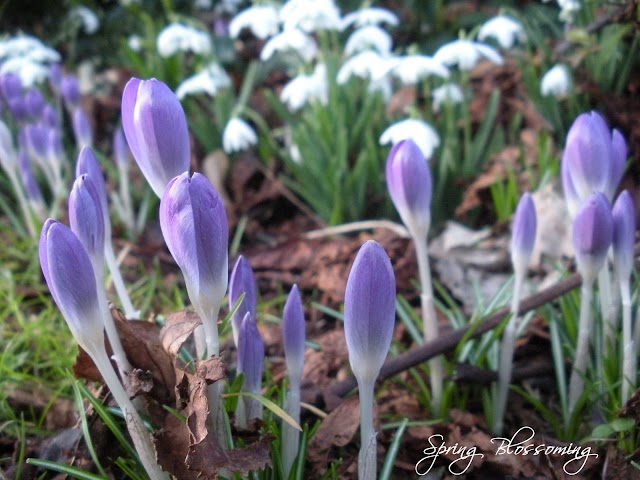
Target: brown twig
[{"x": 449, "y": 341}]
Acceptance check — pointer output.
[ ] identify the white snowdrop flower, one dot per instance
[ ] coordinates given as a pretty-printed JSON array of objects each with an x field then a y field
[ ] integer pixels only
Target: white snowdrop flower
[
  {"x": 381, "y": 85},
  {"x": 30, "y": 72},
  {"x": 261, "y": 20},
  {"x": 310, "y": 15},
  {"x": 369, "y": 16},
  {"x": 506, "y": 30},
  {"x": 182, "y": 38},
  {"x": 88, "y": 19},
  {"x": 203, "y": 4},
  {"x": 367, "y": 64},
  {"x": 556, "y": 82},
  {"x": 305, "y": 88},
  {"x": 419, "y": 131},
  {"x": 238, "y": 135},
  {"x": 135, "y": 42},
  {"x": 410, "y": 69},
  {"x": 369, "y": 37},
  {"x": 466, "y": 54},
  {"x": 293, "y": 39},
  {"x": 226, "y": 6},
  {"x": 28, "y": 47},
  {"x": 568, "y": 9},
  {"x": 447, "y": 93},
  {"x": 208, "y": 81}
]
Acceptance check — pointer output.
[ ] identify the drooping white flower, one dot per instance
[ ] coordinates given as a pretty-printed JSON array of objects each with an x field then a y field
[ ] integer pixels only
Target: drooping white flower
[
  {"x": 30, "y": 72},
  {"x": 261, "y": 20},
  {"x": 208, "y": 80},
  {"x": 447, "y": 93},
  {"x": 88, "y": 19},
  {"x": 568, "y": 9},
  {"x": 290, "y": 40},
  {"x": 29, "y": 47},
  {"x": 310, "y": 15},
  {"x": 305, "y": 88},
  {"x": 410, "y": 69},
  {"x": 506, "y": 30},
  {"x": 419, "y": 131},
  {"x": 369, "y": 16},
  {"x": 465, "y": 54},
  {"x": 182, "y": 38},
  {"x": 367, "y": 64},
  {"x": 369, "y": 37},
  {"x": 135, "y": 42},
  {"x": 556, "y": 82},
  {"x": 238, "y": 135}
]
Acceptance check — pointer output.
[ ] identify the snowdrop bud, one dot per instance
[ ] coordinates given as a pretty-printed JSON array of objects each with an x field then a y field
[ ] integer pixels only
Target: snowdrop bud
[
  {"x": 293, "y": 333},
  {"x": 82, "y": 128},
  {"x": 250, "y": 355},
  {"x": 556, "y": 82},
  {"x": 69, "y": 275},
  {"x": 194, "y": 225},
  {"x": 70, "y": 89},
  {"x": 86, "y": 219},
  {"x": 120, "y": 148},
  {"x": 523, "y": 235},
  {"x": 624, "y": 234},
  {"x": 10, "y": 86},
  {"x": 242, "y": 281},
  {"x": 238, "y": 135},
  {"x": 369, "y": 311},
  {"x": 34, "y": 102},
  {"x": 592, "y": 235},
  {"x": 410, "y": 186},
  {"x": 156, "y": 129}
]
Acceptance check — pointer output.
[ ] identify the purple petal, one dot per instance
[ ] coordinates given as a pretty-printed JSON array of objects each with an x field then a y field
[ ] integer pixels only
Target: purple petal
[
  {"x": 293, "y": 333},
  {"x": 82, "y": 128},
  {"x": 624, "y": 234},
  {"x": 242, "y": 281},
  {"x": 369, "y": 310},
  {"x": 88, "y": 163},
  {"x": 619, "y": 158},
  {"x": 592, "y": 234},
  {"x": 524, "y": 229},
  {"x": 250, "y": 355},
  {"x": 85, "y": 216}
]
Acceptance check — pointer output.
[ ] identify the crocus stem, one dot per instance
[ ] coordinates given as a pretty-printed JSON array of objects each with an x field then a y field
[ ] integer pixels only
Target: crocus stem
[
  {"x": 139, "y": 434},
  {"x": 124, "y": 367},
  {"x": 506, "y": 358},
  {"x": 367, "y": 456},
  {"x": 607, "y": 309},
  {"x": 290, "y": 435},
  {"x": 118, "y": 282},
  {"x": 24, "y": 205},
  {"x": 429, "y": 320},
  {"x": 629, "y": 357},
  {"x": 125, "y": 197},
  {"x": 576, "y": 383}
]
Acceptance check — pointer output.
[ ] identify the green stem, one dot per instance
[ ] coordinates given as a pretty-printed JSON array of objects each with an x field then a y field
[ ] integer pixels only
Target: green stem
[
  {"x": 367, "y": 456},
  {"x": 290, "y": 435},
  {"x": 576, "y": 383},
  {"x": 116, "y": 277},
  {"x": 628, "y": 345}
]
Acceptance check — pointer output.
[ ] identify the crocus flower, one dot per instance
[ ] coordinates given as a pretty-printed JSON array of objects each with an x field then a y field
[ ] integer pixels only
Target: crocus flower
[
  {"x": 251, "y": 365},
  {"x": 176, "y": 38},
  {"x": 194, "y": 225},
  {"x": 87, "y": 221},
  {"x": 242, "y": 281},
  {"x": 593, "y": 159},
  {"x": 506, "y": 30},
  {"x": 556, "y": 82},
  {"x": 592, "y": 234},
  {"x": 369, "y": 311},
  {"x": 34, "y": 102},
  {"x": 238, "y": 135},
  {"x": 293, "y": 334},
  {"x": 523, "y": 233},
  {"x": 156, "y": 129},
  {"x": 409, "y": 184},
  {"x": 10, "y": 86},
  {"x": 82, "y": 130},
  {"x": 70, "y": 89},
  {"x": 369, "y": 16},
  {"x": 624, "y": 234},
  {"x": 369, "y": 37},
  {"x": 465, "y": 54},
  {"x": 261, "y": 20},
  {"x": 449, "y": 93},
  {"x": 423, "y": 135},
  {"x": 50, "y": 116},
  {"x": 292, "y": 40}
]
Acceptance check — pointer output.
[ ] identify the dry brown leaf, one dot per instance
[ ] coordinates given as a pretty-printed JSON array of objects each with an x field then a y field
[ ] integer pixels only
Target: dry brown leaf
[{"x": 177, "y": 329}]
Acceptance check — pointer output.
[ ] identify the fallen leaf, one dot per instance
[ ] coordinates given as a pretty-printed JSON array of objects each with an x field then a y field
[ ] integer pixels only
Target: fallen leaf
[{"x": 177, "y": 329}]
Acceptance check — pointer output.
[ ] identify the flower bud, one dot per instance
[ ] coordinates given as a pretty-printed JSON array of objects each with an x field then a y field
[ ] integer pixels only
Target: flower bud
[
  {"x": 242, "y": 281},
  {"x": 592, "y": 235},
  {"x": 10, "y": 86},
  {"x": 87, "y": 221},
  {"x": 156, "y": 129},
  {"x": 194, "y": 225},
  {"x": 120, "y": 148},
  {"x": 67, "y": 270},
  {"x": 250, "y": 355},
  {"x": 82, "y": 131},
  {"x": 70, "y": 89},
  {"x": 409, "y": 184},
  {"x": 34, "y": 102},
  {"x": 523, "y": 234},
  {"x": 88, "y": 163},
  {"x": 369, "y": 311},
  {"x": 624, "y": 234},
  {"x": 293, "y": 333}
]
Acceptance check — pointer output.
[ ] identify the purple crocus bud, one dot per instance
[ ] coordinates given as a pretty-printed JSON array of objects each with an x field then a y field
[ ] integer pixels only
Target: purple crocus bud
[
  {"x": 369, "y": 311},
  {"x": 70, "y": 92},
  {"x": 250, "y": 355},
  {"x": 31, "y": 187},
  {"x": 68, "y": 272},
  {"x": 55, "y": 78},
  {"x": 34, "y": 102},
  {"x": 87, "y": 221},
  {"x": 120, "y": 148},
  {"x": 618, "y": 160},
  {"x": 37, "y": 137},
  {"x": 18, "y": 108},
  {"x": 523, "y": 234},
  {"x": 88, "y": 163},
  {"x": 82, "y": 128},
  {"x": 624, "y": 234},
  {"x": 156, "y": 129},
  {"x": 194, "y": 225},
  {"x": 10, "y": 86},
  {"x": 409, "y": 184},
  {"x": 55, "y": 149},
  {"x": 293, "y": 334},
  {"x": 242, "y": 281},
  {"x": 50, "y": 116},
  {"x": 592, "y": 235}
]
